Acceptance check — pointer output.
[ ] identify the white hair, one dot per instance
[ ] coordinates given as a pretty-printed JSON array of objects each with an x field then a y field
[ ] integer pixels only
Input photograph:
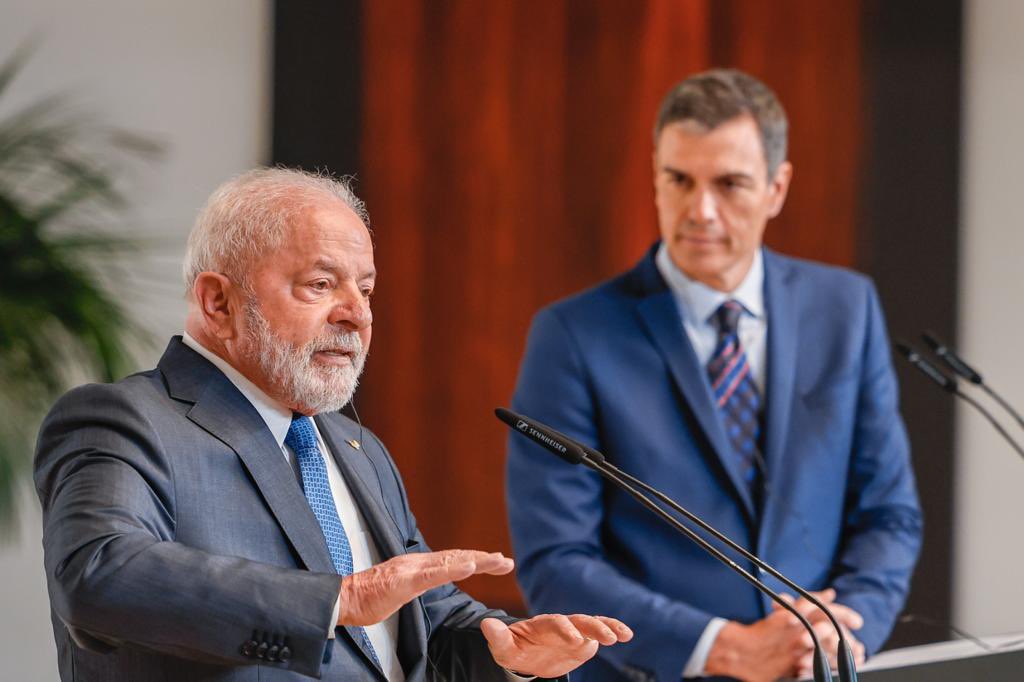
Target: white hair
[{"x": 250, "y": 215}]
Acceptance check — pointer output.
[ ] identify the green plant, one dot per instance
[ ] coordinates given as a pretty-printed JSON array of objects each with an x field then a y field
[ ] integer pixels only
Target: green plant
[{"x": 59, "y": 320}]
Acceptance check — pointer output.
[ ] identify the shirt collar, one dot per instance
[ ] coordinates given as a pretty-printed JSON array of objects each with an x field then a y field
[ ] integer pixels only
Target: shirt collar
[
  {"x": 277, "y": 416},
  {"x": 699, "y": 301}
]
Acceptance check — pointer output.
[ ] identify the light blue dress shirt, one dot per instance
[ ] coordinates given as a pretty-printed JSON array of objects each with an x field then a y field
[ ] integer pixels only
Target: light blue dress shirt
[{"x": 697, "y": 305}]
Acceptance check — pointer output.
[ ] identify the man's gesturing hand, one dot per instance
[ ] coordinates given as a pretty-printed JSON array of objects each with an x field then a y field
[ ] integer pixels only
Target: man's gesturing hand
[
  {"x": 550, "y": 645},
  {"x": 372, "y": 595}
]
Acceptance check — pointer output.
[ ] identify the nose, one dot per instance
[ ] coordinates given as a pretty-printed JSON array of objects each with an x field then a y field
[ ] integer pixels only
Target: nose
[
  {"x": 702, "y": 209},
  {"x": 351, "y": 311}
]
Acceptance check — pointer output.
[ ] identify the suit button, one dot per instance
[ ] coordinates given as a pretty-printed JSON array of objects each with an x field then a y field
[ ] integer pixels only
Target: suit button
[
  {"x": 249, "y": 648},
  {"x": 261, "y": 650},
  {"x": 284, "y": 654},
  {"x": 272, "y": 653}
]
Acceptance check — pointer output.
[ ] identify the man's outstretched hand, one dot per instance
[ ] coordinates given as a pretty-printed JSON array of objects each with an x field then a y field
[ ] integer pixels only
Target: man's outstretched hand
[
  {"x": 370, "y": 596},
  {"x": 551, "y": 645},
  {"x": 543, "y": 646}
]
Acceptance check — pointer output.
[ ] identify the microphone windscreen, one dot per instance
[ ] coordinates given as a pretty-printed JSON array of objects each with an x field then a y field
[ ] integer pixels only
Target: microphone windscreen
[{"x": 548, "y": 438}]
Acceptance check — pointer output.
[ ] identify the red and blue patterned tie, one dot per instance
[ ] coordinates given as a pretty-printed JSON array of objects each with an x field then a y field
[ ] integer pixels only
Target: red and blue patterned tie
[
  {"x": 301, "y": 439},
  {"x": 736, "y": 395}
]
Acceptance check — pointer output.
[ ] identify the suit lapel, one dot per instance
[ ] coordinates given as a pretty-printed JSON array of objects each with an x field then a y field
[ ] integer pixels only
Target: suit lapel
[
  {"x": 221, "y": 410},
  {"x": 660, "y": 315},
  {"x": 363, "y": 481},
  {"x": 781, "y": 304}
]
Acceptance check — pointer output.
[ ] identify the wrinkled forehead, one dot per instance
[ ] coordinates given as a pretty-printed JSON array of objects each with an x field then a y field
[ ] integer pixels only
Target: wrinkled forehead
[
  {"x": 324, "y": 232},
  {"x": 329, "y": 220}
]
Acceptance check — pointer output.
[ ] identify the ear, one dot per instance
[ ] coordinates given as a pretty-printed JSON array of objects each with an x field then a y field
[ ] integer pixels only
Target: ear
[
  {"x": 216, "y": 297},
  {"x": 779, "y": 188},
  {"x": 654, "y": 168}
]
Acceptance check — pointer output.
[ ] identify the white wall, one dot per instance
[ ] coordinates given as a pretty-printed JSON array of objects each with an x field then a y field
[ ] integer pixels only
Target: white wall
[
  {"x": 989, "y": 590},
  {"x": 193, "y": 75}
]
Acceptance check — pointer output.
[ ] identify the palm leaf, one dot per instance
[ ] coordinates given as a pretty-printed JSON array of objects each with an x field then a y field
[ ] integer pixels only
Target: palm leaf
[{"x": 58, "y": 317}]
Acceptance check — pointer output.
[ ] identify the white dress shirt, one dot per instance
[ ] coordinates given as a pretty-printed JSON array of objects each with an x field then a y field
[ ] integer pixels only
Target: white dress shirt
[
  {"x": 697, "y": 305},
  {"x": 383, "y": 636}
]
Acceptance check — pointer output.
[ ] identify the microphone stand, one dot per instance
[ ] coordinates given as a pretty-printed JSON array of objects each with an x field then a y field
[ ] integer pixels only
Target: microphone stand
[
  {"x": 847, "y": 667},
  {"x": 574, "y": 453},
  {"x": 950, "y": 385},
  {"x": 957, "y": 364},
  {"x": 992, "y": 420},
  {"x": 822, "y": 673}
]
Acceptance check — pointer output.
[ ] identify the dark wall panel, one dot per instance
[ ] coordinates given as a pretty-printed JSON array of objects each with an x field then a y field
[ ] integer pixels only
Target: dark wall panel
[
  {"x": 908, "y": 237},
  {"x": 317, "y": 84}
]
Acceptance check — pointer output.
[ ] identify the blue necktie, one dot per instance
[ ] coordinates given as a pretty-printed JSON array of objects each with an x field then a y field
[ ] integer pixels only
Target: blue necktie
[
  {"x": 736, "y": 395},
  {"x": 301, "y": 439}
]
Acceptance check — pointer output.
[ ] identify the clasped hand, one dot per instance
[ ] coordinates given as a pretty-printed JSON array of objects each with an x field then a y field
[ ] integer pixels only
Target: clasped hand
[
  {"x": 779, "y": 646},
  {"x": 545, "y": 646}
]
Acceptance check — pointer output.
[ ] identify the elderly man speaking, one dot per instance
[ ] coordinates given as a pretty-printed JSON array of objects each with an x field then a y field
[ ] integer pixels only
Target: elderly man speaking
[{"x": 215, "y": 518}]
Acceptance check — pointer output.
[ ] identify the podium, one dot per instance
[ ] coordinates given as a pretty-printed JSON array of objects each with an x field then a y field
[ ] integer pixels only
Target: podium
[{"x": 959, "y": 660}]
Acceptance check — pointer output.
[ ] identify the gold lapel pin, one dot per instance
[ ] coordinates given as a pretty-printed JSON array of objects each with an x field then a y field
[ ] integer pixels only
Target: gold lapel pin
[{"x": 354, "y": 443}]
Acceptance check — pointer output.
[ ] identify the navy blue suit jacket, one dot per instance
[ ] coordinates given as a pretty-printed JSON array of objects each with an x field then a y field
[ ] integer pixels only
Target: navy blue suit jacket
[{"x": 614, "y": 368}]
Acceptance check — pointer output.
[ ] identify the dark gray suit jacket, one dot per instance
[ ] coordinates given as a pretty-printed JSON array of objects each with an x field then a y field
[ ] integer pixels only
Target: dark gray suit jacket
[{"x": 179, "y": 545}]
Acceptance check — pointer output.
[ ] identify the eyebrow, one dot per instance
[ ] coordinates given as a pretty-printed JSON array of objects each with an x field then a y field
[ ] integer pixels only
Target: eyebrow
[
  {"x": 727, "y": 174},
  {"x": 331, "y": 266}
]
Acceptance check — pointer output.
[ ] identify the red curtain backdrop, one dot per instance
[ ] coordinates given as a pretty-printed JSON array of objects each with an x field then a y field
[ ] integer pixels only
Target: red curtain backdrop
[{"x": 506, "y": 158}]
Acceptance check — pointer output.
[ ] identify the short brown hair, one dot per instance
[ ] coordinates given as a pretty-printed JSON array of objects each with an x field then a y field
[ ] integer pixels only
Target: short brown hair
[{"x": 719, "y": 95}]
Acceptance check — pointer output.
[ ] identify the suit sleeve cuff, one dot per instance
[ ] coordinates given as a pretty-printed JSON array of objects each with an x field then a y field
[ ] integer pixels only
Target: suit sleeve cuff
[{"x": 699, "y": 657}]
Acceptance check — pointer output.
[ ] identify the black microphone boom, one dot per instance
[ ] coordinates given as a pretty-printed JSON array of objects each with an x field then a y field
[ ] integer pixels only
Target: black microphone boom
[
  {"x": 950, "y": 385},
  {"x": 575, "y": 453},
  {"x": 957, "y": 364},
  {"x": 847, "y": 667}
]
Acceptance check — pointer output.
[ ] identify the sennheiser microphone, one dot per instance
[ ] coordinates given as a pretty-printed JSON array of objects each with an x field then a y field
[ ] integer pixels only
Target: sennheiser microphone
[
  {"x": 949, "y": 384},
  {"x": 576, "y": 453},
  {"x": 558, "y": 443},
  {"x": 957, "y": 364}
]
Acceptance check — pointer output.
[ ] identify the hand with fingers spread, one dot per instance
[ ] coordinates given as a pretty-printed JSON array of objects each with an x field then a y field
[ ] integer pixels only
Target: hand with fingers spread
[
  {"x": 370, "y": 596},
  {"x": 551, "y": 645}
]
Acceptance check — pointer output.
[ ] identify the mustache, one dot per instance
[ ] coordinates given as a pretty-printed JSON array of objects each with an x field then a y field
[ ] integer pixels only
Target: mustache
[{"x": 347, "y": 342}]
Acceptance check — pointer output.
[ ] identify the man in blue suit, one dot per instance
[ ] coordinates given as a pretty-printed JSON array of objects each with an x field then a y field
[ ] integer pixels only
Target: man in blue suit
[
  {"x": 216, "y": 518},
  {"x": 754, "y": 388}
]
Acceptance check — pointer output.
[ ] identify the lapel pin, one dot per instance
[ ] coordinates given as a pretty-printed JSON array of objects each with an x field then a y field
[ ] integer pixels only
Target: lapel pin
[{"x": 354, "y": 443}]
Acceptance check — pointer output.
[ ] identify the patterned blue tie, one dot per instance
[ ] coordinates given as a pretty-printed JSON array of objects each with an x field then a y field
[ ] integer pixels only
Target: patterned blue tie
[
  {"x": 301, "y": 439},
  {"x": 736, "y": 395}
]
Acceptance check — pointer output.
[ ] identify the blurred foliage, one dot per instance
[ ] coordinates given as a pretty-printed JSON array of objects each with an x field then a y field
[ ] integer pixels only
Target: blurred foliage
[{"x": 59, "y": 320}]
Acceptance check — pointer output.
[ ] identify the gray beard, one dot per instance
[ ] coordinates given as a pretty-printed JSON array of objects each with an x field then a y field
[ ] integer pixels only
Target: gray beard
[{"x": 295, "y": 377}]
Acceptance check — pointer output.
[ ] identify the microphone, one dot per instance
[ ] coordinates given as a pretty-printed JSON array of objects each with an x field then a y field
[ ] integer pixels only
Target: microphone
[
  {"x": 957, "y": 364},
  {"x": 952, "y": 360},
  {"x": 949, "y": 384},
  {"x": 576, "y": 453},
  {"x": 558, "y": 443}
]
